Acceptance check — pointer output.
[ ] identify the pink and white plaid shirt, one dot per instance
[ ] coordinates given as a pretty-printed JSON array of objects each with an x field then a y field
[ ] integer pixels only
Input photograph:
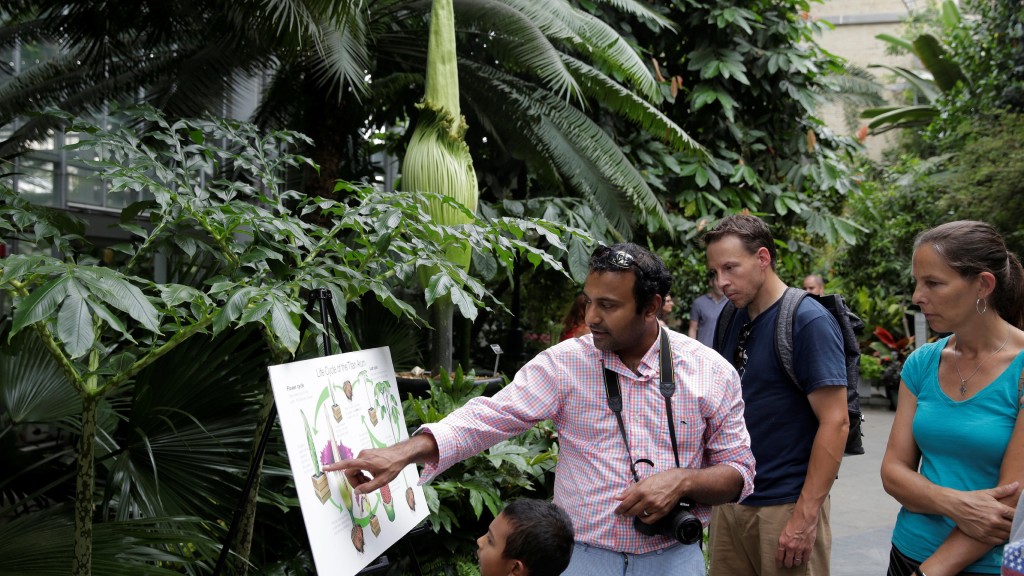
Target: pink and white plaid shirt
[{"x": 565, "y": 384}]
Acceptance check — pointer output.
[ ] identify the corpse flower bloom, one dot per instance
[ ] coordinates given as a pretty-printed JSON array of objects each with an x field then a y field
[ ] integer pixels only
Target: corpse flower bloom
[
  {"x": 344, "y": 452},
  {"x": 327, "y": 455}
]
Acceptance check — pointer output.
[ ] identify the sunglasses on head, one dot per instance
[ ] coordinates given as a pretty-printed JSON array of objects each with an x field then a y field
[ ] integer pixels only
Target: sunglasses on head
[{"x": 623, "y": 260}]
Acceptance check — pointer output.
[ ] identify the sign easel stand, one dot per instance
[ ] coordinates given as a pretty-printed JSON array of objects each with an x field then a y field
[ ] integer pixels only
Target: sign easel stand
[{"x": 328, "y": 318}]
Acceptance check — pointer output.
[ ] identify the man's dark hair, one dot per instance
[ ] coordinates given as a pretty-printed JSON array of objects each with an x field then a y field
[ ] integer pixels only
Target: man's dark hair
[
  {"x": 751, "y": 230},
  {"x": 540, "y": 536},
  {"x": 652, "y": 276}
]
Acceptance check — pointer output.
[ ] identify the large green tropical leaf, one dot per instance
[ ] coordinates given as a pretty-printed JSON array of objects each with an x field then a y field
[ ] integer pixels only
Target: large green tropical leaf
[
  {"x": 896, "y": 41},
  {"x": 186, "y": 442},
  {"x": 74, "y": 323},
  {"x": 32, "y": 387},
  {"x": 42, "y": 544},
  {"x": 946, "y": 72},
  {"x": 41, "y": 303},
  {"x": 899, "y": 116}
]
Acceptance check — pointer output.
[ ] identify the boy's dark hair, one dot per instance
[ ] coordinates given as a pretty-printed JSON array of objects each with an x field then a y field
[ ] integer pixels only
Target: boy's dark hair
[
  {"x": 540, "y": 536},
  {"x": 751, "y": 230},
  {"x": 652, "y": 276}
]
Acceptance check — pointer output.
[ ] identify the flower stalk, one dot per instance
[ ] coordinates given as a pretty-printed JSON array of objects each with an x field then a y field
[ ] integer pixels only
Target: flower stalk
[{"x": 438, "y": 161}]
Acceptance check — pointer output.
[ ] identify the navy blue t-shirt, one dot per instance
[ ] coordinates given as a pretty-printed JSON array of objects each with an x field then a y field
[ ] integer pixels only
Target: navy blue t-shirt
[{"x": 778, "y": 415}]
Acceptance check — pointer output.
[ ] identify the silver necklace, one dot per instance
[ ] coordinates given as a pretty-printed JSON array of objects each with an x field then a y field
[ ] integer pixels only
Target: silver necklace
[{"x": 956, "y": 362}]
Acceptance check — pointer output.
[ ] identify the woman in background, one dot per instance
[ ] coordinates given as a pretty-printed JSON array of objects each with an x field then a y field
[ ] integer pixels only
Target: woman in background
[
  {"x": 955, "y": 457},
  {"x": 575, "y": 323}
]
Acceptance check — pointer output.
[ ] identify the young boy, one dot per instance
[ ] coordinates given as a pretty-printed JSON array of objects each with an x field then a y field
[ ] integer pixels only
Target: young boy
[{"x": 528, "y": 538}]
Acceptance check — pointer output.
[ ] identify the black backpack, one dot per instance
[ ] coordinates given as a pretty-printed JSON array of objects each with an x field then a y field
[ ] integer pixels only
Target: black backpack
[{"x": 849, "y": 324}]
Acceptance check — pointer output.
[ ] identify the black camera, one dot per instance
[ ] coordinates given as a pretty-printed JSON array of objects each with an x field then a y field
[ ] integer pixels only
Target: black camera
[{"x": 679, "y": 524}]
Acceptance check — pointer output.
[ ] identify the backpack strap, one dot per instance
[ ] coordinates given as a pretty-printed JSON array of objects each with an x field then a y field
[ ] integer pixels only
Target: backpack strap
[
  {"x": 791, "y": 299},
  {"x": 722, "y": 325}
]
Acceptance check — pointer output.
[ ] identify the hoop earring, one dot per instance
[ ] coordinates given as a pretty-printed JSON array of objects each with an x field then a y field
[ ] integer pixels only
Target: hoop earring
[{"x": 981, "y": 305}]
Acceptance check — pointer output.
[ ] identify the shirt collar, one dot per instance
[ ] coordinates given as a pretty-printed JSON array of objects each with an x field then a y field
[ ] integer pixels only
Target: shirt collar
[{"x": 648, "y": 367}]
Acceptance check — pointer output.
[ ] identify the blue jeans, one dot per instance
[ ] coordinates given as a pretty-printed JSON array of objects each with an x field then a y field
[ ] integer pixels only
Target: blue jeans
[{"x": 676, "y": 560}]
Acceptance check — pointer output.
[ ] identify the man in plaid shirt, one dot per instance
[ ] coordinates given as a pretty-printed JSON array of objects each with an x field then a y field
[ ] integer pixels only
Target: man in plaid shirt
[{"x": 594, "y": 478}]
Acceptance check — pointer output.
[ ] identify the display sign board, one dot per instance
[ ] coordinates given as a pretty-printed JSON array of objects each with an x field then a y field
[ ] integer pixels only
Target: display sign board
[{"x": 331, "y": 408}]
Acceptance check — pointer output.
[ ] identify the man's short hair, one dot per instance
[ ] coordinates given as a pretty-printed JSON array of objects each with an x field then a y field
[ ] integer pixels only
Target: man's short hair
[
  {"x": 816, "y": 279},
  {"x": 540, "y": 536},
  {"x": 751, "y": 230},
  {"x": 652, "y": 276}
]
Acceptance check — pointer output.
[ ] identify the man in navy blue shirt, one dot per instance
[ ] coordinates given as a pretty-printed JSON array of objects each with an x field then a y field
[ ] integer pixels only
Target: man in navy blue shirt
[{"x": 798, "y": 430}]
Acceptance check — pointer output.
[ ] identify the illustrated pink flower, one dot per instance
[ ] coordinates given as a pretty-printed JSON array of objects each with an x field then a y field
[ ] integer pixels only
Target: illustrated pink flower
[
  {"x": 327, "y": 455},
  {"x": 344, "y": 452}
]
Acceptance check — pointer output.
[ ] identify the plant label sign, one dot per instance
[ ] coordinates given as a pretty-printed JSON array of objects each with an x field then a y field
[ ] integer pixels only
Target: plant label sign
[{"x": 330, "y": 409}]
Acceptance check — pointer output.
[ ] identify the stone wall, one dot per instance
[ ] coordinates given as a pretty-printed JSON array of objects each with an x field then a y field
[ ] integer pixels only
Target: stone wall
[{"x": 857, "y": 22}]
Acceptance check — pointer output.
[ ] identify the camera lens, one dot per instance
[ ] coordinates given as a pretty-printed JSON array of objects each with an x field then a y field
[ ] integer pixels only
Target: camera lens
[
  {"x": 679, "y": 524},
  {"x": 687, "y": 528}
]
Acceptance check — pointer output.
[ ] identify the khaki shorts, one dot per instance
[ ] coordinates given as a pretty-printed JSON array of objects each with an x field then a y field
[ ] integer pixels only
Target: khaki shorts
[{"x": 743, "y": 541}]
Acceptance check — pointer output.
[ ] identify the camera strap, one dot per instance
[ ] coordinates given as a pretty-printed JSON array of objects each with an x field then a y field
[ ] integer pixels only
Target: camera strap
[{"x": 667, "y": 387}]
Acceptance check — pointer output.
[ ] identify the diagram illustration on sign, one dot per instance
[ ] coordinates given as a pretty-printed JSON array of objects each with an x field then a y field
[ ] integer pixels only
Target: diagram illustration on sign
[{"x": 330, "y": 409}]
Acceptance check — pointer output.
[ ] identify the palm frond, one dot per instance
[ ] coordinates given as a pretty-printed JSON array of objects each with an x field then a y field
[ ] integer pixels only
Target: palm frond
[
  {"x": 854, "y": 89},
  {"x": 192, "y": 417},
  {"x": 855, "y": 86},
  {"x": 584, "y": 154},
  {"x": 32, "y": 387},
  {"x": 345, "y": 53},
  {"x": 588, "y": 35},
  {"x": 642, "y": 11},
  {"x": 297, "y": 17},
  {"x": 42, "y": 544},
  {"x": 628, "y": 105},
  {"x": 520, "y": 43}
]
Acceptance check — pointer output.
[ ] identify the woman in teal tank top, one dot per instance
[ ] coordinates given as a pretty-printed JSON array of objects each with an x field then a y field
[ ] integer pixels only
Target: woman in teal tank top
[{"x": 955, "y": 458}]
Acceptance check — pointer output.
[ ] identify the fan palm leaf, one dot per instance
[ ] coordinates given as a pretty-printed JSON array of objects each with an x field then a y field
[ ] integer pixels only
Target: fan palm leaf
[
  {"x": 32, "y": 387},
  {"x": 175, "y": 444},
  {"x": 41, "y": 544}
]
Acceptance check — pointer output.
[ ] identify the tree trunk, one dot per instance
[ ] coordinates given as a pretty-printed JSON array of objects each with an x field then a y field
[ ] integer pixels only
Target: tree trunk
[
  {"x": 242, "y": 543},
  {"x": 84, "y": 485},
  {"x": 442, "y": 314}
]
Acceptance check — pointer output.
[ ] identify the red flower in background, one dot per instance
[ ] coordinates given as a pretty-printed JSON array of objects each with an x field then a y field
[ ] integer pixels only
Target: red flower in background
[{"x": 885, "y": 337}]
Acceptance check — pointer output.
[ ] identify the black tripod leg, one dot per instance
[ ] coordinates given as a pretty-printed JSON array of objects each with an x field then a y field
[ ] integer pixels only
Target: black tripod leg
[
  {"x": 336, "y": 325},
  {"x": 327, "y": 317},
  {"x": 250, "y": 481}
]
